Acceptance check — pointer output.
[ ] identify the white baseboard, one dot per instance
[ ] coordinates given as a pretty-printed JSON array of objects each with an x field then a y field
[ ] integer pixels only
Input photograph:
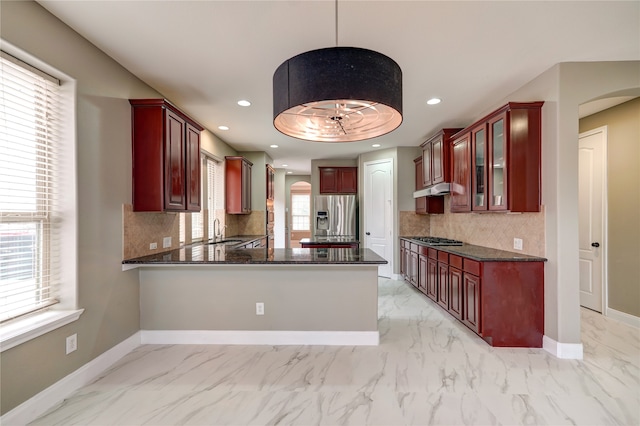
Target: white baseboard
[
  {"x": 266, "y": 337},
  {"x": 34, "y": 407},
  {"x": 623, "y": 317},
  {"x": 562, "y": 350}
]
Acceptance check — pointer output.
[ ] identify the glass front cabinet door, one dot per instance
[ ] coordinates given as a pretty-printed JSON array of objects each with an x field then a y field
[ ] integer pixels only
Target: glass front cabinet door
[
  {"x": 479, "y": 173},
  {"x": 497, "y": 164}
]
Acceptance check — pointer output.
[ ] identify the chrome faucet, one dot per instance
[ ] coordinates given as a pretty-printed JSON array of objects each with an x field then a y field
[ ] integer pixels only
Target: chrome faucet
[
  {"x": 215, "y": 235},
  {"x": 222, "y": 231}
]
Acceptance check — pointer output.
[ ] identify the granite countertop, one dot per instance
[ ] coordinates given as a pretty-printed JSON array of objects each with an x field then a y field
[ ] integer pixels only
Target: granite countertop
[
  {"x": 211, "y": 254},
  {"x": 329, "y": 240},
  {"x": 482, "y": 254}
]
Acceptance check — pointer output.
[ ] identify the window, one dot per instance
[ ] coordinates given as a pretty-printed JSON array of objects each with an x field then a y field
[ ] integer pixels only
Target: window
[
  {"x": 211, "y": 195},
  {"x": 300, "y": 216},
  {"x": 29, "y": 147}
]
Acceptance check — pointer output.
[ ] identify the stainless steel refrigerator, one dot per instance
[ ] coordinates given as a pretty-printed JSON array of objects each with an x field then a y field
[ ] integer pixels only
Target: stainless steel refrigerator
[{"x": 335, "y": 215}]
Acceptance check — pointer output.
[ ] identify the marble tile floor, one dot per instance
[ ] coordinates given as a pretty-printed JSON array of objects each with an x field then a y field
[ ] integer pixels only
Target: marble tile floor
[{"x": 428, "y": 370}]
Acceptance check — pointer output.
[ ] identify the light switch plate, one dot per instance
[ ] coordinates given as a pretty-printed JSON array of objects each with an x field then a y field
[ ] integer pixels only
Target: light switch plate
[
  {"x": 517, "y": 243},
  {"x": 153, "y": 246},
  {"x": 166, "y": 242}
]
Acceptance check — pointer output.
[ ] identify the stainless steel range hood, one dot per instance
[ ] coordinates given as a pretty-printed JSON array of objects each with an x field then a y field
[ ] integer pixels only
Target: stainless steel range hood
[{"x": 433, "y": 190}]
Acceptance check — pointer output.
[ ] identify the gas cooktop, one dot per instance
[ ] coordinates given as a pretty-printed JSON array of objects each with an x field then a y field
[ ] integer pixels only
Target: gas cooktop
[{"x": 438, "y": 241}]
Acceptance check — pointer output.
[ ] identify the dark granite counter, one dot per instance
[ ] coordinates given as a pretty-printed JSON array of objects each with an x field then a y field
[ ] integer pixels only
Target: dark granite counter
[
  {"x": 320, "y": 241},
  {"x": 209, "y": 254},
  {"x": 239, "y": 240},
  {"x": 482, "y": 254}
]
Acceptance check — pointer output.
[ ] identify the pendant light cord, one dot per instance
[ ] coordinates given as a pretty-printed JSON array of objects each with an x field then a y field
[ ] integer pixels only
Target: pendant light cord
[{"x": 336, "y": 23}]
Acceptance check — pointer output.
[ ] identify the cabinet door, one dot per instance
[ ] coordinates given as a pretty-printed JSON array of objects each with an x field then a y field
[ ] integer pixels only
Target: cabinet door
[
  {"x": 403, "y": 261},
  {"x": 498, "y": 172},
  {"x": 423, "y": 278},
  {"x": 193, "y": 169},
  {"x": 479, "y": 167},
  {"x": 270, "y": 182},
  {"x": 421, "y": 203},
  {"x": 437, "y": 160},
  {"x": 328, "y": 180},
  {"x": 348, "y": 180},
  {"x": 471, "y": 307},
  {"x": 246, "y": 187},
  {"x": 461, "y": 182},
  {"x": 414, "y": 268},
  {"x": 174, "y": 166},
  {"x": 455, "y": 292},
  {"x": 432, "y": 279},
  {"x": 427, "y": 176},
  {"x": 443, "y": 285}
]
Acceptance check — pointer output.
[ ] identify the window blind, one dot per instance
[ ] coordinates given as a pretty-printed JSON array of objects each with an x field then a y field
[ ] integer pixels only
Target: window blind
[
  {"x": 29, "y": 141},
  {"x": 213, "y": 192},
  {"x": 300, "y": 212}
]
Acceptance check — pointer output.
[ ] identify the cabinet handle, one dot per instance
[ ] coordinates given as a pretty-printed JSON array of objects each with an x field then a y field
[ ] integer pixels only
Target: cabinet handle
[{"x": 596, "y": 244}]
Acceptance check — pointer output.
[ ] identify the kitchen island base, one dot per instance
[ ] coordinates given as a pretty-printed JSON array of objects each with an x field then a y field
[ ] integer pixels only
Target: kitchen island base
[{"x": 303, "y": 304}]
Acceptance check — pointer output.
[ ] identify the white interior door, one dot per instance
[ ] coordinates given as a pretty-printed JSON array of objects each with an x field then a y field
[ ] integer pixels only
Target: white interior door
[
  {"x": 592, "y": 191},
  {"x": 378, "y": 211}
]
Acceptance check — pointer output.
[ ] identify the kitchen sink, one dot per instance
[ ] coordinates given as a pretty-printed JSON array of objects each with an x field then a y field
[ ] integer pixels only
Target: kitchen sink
[{"x": 230, "y": 241}]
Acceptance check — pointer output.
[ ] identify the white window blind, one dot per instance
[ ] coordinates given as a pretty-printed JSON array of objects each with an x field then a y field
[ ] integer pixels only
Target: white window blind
[
  {"x": 300, "y": 212},
  {"x": 213, "y": 191},
  {"x": 29, "y": 142}
]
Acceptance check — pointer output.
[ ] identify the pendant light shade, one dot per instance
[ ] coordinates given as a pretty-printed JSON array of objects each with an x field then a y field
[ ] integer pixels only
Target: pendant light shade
[{"x": 337, "y": 94}]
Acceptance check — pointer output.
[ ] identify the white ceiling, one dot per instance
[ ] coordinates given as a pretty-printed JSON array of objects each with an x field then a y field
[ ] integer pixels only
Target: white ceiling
[{"x": 204, "y": 56}]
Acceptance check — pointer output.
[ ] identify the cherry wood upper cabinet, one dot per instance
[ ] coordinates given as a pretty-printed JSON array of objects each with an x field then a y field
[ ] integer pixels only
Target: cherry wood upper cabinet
[
  {"x": 504, "y": 159},
  {"x": 338, "y": 180},
  {"x": 270, "y": 182},
  {"x": 237, "y": 185},
  {"x": 426, "y": 205},
  {"x": 461, "y": 177},
  {"x": 436, "y": 161},
  {"x": 165, "y": 157}
]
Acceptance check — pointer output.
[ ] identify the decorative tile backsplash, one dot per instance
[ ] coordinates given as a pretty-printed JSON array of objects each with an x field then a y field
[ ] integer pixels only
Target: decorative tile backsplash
[
  {"x": 142, "y": 229},
  {"x": 494, "y": 230}
]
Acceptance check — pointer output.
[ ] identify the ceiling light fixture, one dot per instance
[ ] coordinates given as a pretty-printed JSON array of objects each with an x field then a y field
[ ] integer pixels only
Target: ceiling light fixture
[
  {"x": 376, "y": 145},
  {"x": 285, "y": 165},
  {"x": 273, "y": 146},
  {"x": 223, "y": 127},
  {"x": 244, "y": 103},
  {"x": 434, "y": 101},
  {"x": 337, "y": 94}
]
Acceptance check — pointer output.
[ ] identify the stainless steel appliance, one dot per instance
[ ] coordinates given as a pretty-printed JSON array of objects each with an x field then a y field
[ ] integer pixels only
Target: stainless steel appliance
[{"x": 335, "y": 215}]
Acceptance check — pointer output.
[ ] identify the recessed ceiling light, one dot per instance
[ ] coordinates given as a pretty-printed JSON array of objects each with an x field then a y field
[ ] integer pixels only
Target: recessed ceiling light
[
  {"x": 223, "y": 127},
  {"x": 434, "y": 101},
  {"x": 376, "y": 145},
  {"x": 244, "y": 103},
  {"x": 273, "y": 146},
  {"x": 285, "y": 165},
  {"x": 289, "y": 172}
]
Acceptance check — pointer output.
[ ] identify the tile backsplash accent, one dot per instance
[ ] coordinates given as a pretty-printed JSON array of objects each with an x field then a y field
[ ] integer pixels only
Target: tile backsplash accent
[
  {"x": 412, "y": 224},
  {"x": 494, "y": 230},
  {"x": 247, "y": 224},
  {"x": 142, "y": 229}
]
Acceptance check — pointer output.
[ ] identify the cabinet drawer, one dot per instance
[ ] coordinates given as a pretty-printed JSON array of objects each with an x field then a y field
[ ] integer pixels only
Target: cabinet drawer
[
  {"x": 433, "y": 253},
  {"x": 424, "y": 250},
  {"x": 414, "y": 247},
  {"x": 443, "y": 256},
  {"x": 471, "y": 266},
  {"x": 455, "y": 261}
]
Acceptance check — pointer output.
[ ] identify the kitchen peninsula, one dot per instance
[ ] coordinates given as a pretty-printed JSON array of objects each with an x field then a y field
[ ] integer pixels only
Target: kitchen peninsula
[{"x": 210, "y": 293}]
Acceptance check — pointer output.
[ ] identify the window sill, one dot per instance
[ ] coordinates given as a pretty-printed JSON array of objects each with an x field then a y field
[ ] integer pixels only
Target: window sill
[{"x": 22, "y": 330}]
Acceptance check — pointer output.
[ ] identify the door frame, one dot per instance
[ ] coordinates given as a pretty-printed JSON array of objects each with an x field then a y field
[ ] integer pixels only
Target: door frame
[
  {"x": 605, "y": 216},
  {"x": 392, "y": 216}
]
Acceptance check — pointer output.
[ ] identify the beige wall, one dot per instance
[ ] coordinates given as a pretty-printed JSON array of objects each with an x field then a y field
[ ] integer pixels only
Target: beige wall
[{"x": 623, "y": 188}]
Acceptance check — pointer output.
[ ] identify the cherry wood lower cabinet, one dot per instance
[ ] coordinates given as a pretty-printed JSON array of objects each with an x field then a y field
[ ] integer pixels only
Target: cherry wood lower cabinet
[{"x": 501, "y": 301}]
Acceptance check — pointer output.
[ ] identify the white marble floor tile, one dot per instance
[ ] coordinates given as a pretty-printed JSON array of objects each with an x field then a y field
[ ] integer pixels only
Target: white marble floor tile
[{"x": 429, "y": 369}]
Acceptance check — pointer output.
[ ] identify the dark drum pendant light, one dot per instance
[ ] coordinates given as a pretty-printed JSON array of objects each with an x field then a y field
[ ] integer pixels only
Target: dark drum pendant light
[{"x": 337, "y": 94}]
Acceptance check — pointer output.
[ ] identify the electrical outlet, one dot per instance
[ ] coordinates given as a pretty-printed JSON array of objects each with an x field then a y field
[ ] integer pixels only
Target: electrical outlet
[
  {"x": 153, "y": 246},
  {"x": 166, "y": 242},
  {"x": 259, "y": 308},
  {"x": 517, "y": 243},
  {"x": 72, "y": 343}
]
